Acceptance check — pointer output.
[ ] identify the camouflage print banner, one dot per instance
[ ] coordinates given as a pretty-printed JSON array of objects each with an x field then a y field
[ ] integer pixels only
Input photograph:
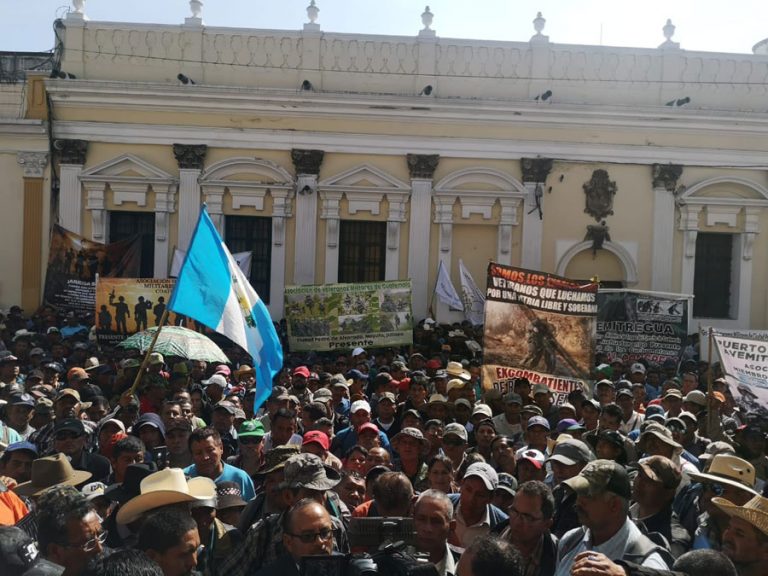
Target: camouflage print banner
[{"x": 341, "y": 316}]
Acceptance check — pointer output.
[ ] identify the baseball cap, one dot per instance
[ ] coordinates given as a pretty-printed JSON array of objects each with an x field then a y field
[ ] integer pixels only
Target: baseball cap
[
  {"x": 69, "y": 425},
  {"x": 156, "y": 358},
  {"x": 508, "y": 483},
  {"x": 483, "y": 409},
  {"x": 93, "y": 490},
  {"x": 532, "y": 409},
  {"x": 217, "y": 380},
  {"x": 324, "y": 394},
  {"x": 20, "y": 556},
  {"x": 463, "y": 402},
  {"x": 23, "y": 445},
  {"x": 570, "y": 452},
  {"x": 388, "y": 396},
  {"x": 512, "y": 398},
  {"x": 673, "y": 392},
  {"x": 360, "y": 405},
  {"x": 662, "y": 470},
  {"x": 535, "y": 457},
  {"x": 456, "y": 429},
  {"x": 540, "y": 389},
  {"x": 301, "y": 371},
  {"x": 76, "y": 374},
  {"x": 43, "y": 406},
  {"x": 601, "y": 476},
  {"x": 224, "y": 405},
  {"x": 637, "y": 368},
  {"x": 317, "y": 437},
  {"x": 696, "y": 397},
  {"x": 537, "y": 421},
  {"x": 624, "y": 392},
  {"x": 604, "y": 382},
  {"x": 367, "y": 426},
  {"x": 485, "y": 472},
  {"x": 357, "y": 351},
  {"x": 181, "y": 424},
  {"x": 22, "y": 400},
  {"x": 454, "y": 383}
]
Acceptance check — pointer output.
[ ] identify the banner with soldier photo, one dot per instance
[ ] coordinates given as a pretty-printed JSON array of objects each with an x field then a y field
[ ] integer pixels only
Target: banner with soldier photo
[
  {"x": 125, "y": 306},
  {"x": 74, "y": 262},
  {"x": 538, "y": 326},
  {"x": 634, "y": 325},
  {"x": 744, "y": 361},
  {"x": 335, "y": 316}
]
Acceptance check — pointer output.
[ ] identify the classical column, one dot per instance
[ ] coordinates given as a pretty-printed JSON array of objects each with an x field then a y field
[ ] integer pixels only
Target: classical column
[
  {"x": 281, "y": 210},
  {"x": 689, "y": 226},
  {"x": 33, "y": 165},
  {"x": 164, "y": 206},
  {"x": 535, "y": 172},
  {"x": 71, "y": 161},
  {"x": 307, "y": 165},
  {"x": 665, "y": 177},
  {"x": 190, "y": 158},
  {"x": 330, "y": 213},
  {"x": 421, "y": 168}
]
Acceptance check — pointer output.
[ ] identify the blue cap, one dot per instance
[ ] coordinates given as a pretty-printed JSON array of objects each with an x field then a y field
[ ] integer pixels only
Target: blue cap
[
  {"x": 23, "y": 445},
  {"x": 355, "y": 374},
  {"x": 538, "y": 421}
]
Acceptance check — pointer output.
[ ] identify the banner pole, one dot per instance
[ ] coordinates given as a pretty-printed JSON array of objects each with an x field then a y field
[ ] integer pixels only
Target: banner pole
[
  {"x": 711, "y": 413},
  {"x": 145, "y": 362}
]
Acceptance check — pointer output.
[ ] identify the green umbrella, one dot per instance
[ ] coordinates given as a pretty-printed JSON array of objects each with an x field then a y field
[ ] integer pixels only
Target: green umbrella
[{"x": 177, "y": 341}]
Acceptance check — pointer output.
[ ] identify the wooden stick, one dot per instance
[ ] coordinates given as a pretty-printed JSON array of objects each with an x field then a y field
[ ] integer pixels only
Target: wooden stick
[
  {"x": 145, "y": 362},
  {"x": 711, "y": 414}
]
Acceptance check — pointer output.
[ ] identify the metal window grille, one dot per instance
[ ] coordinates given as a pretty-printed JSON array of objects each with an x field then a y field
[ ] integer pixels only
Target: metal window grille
[
  {"x": 362, "y": 251},
  {"x": 712, "y": 275},
  {"x": 254, "y": 234},
  {"x": 123, "y": 225}
]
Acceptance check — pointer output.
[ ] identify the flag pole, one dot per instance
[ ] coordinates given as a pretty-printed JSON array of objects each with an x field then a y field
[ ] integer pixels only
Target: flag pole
[
  {"x": 145, "y": 362},
  {"x": 711, "y": 413}
]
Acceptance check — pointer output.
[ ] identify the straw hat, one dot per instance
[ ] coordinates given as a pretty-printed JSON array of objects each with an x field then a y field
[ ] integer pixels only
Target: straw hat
[
  {"x": 755, "y": 512},
  {"x": 456, "y": 370},
  {"x": 163, "y": 488},
  {"x": 51, "y": 471}
]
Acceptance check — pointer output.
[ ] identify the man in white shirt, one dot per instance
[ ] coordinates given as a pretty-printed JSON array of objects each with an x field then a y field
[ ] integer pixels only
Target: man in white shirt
[{"x": 510, "y": 422}]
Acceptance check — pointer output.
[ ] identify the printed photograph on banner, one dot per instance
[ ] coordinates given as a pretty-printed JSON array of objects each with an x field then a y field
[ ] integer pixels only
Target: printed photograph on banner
[
  {"x": 632, "y": 325},
  {"x": 333, "y": 316},
  {"x": 538, "y": 326},
  {"x": 74, "y": 262},
  {"x": 125, "y": 306},
  {"x": 744, "y": 361}
]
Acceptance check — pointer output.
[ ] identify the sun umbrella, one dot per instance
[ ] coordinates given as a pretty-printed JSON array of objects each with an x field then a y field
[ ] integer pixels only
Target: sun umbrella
[{"x": 177, "y": 341}]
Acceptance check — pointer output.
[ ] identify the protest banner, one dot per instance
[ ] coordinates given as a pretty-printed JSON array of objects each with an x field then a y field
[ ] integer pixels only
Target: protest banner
[
  {"x": 634, "y": 325},
  {"x": 336, "y": 316},
  {"x": 74, "y": 262},
  {"x": 125, "y": 306},
  {"x": 744, "y": 361},
  {"x": 538, "y": 326}
]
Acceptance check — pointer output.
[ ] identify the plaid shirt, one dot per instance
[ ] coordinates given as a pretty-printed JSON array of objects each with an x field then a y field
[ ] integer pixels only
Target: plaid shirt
[{"x": 43, "y": 438}]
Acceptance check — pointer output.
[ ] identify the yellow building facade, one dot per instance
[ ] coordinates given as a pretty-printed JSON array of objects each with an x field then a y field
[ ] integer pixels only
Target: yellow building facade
[{"x": 339, "y": 157}]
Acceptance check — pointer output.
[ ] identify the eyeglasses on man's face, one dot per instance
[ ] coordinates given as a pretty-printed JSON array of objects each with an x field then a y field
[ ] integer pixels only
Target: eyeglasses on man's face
[
  {"x": 324, "y": 534},
  {"x": 91, "y": 544}
]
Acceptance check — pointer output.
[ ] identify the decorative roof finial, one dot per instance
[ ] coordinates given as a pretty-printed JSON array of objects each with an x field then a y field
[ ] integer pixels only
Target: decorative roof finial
[
  {"x": 538, "y": 25},
  {"x": 312, "y": 12},
  {"x": 196, "y": 10},
  {"x": 669, "y": 31},
  {"x": 78, "y": 11},
  {"x": 426, "y": 19}
]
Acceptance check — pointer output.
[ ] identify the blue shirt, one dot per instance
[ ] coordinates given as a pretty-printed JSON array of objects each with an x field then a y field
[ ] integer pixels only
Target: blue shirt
[{"x": 230, "y": 474}]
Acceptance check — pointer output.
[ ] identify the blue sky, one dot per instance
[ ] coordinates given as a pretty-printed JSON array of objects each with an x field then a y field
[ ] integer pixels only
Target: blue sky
[{"x": 701, "y": 24}]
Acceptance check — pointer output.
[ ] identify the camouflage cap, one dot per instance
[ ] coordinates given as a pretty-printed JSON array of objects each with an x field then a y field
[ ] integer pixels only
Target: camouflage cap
[
  {"x": 276, "y": 458},
  {"x": 600, "y": 476},
  {"x": 308, "y": 471}
]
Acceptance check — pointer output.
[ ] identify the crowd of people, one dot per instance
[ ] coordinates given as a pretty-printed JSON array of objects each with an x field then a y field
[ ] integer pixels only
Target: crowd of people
[{"x": 644, "y": 472}]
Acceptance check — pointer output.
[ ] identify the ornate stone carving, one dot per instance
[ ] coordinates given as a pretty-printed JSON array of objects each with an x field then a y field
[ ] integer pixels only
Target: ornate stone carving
[
  {"x": 535, "y": 169},
  {"x": 422, "y": 165},
  {"x": 307, "y": 161},
  {"x": 600, "y": 191},
  {"x": 190, "y": 156},
  {"x": 33, "y": 163},
  {"x": 666, "y": 176},
  {"x": 598, "y": 234},
  {"x": 71, "y": 151}
]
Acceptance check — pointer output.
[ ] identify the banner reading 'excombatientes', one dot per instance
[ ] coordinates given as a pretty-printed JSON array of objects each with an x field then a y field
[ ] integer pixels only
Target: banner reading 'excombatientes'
[
  {"x": 336, "y": 316},
  {"x": 538, "y": 326},
  {"x": 632, "y": 325}
]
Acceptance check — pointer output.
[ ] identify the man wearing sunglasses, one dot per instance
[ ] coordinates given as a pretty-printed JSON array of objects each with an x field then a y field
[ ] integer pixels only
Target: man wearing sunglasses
[
  {"x": 307, "y": 531},
  {"x": 727, "y": 477}
]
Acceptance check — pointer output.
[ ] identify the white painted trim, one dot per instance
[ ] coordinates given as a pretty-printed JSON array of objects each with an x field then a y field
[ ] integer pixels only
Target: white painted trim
[
  {"x": 491, "y": 149},
  {"x": 220, "y": 171},
  {"x": 503, "y": 182},
  {"x": 107, "y": 171},
  {"x": 689, "y": 196},
  {"x": 348, "y": 179},
  {"x": 617, "y": 249}
]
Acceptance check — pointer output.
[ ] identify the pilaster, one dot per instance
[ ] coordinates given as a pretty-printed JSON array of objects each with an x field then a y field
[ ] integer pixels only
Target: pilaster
[
  {"x": 421, "y": 168},
  {"x": 190, "y": 158},
  {"x": 33, "y": 165},
  {"x": 665, "y": 177},
  {"x": 71, "y": 161},
  {"x": 535, "y": 172},
  {"x": 307, "y": 165}
]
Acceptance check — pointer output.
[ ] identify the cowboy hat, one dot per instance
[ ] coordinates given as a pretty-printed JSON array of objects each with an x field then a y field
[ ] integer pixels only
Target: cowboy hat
[
  {"x": 755, "y": 512},
  {"x": 728, "y": 469},
  {"x": 163, "y": 488},
  {"x": 51, "y": 471},
  {"x": 243, "y": 370},
  {"x": 456, "y": 370}
]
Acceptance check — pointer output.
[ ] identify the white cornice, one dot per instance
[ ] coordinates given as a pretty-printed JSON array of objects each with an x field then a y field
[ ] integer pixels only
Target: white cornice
[
  {"x": 294, "y": 104},
  {"x": 13, "y": 127},
  {"x": 377, "y": 144}
]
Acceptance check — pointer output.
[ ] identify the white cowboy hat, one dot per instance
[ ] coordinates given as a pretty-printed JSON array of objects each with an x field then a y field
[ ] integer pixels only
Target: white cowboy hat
[{"x": 163, "y": 488}]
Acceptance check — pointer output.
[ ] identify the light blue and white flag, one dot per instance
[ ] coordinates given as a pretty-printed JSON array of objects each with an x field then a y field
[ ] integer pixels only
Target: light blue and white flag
[{"x": 212, "y": 289}]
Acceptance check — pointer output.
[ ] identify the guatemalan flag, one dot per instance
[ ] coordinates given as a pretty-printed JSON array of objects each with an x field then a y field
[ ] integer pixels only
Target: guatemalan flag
[{"x": 212, "y": 289}]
